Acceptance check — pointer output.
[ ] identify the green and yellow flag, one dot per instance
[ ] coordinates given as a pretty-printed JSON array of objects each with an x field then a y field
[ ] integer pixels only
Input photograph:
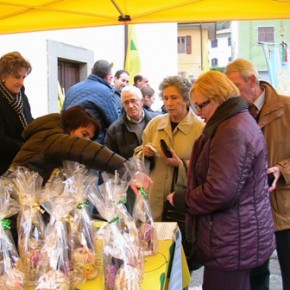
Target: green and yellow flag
[{"x": 132, "y": 63}]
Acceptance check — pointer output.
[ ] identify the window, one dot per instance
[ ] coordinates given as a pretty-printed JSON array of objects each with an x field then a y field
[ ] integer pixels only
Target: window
[
  {"x": 214, "y": 62},
  {"x": 184, "y": 44},
  {"x": 265, "y": 34},
  {"x": 214, "y": 43}
]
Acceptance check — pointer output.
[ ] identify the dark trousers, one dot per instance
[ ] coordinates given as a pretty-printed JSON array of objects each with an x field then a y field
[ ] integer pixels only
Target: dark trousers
[
  {"x": 260, "y": 277},
  {"x": 283, "y": 251},
  {"x": 226, "y": 280}
]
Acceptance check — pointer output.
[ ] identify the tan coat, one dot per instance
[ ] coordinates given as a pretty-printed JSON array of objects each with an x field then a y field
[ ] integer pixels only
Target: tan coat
[
  {"x": 274, "y": 120},
  {"x": 181, "y": 140}
]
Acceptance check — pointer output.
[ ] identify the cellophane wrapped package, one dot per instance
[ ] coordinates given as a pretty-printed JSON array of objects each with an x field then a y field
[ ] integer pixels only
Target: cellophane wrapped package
[
  {"x": 141, "y": 212},
  {"x": 122, "y": 258},
  {"x": 57, "y": 269},
  {"x": 82, "y": 234},
  {"x": 11, "y": 271},
  {"x": 30, "y": 224}
]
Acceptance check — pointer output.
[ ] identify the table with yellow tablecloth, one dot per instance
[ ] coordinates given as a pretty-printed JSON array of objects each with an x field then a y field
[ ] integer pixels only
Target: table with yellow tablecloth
[{"x": 158, "y": 268}]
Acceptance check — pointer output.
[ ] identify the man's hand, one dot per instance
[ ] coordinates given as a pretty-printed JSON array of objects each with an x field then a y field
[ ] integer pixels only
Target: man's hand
[
  {"x": 170, "y": 198},
  {"x": 277, "y": 173}
]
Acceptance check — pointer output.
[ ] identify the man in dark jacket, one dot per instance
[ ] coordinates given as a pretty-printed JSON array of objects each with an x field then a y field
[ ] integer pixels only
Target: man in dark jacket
[
  {"x": 96, "y": 95},
  {"x": 125, "y": 134}
]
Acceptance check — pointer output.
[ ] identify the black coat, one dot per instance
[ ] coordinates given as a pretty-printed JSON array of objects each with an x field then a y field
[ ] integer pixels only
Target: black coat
[
  {"x": 10, "y": 130},
  {"x": 47, "y": 144},
  {"x": 121, "y": 139}
]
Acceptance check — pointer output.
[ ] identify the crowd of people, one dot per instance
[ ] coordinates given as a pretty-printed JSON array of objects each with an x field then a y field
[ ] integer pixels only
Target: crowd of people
[{"x": 210, "y": 153}]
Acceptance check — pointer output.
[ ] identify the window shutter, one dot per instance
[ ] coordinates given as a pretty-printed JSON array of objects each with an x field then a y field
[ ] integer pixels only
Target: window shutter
[{"x": 188, "y": 44}]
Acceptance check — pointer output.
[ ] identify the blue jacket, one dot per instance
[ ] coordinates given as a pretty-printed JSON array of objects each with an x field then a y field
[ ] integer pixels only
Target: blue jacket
[{"x": 97, "y": 96}]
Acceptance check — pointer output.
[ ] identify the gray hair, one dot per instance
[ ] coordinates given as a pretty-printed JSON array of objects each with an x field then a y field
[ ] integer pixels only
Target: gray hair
[
  {"x": 244, "y": 67},
  {"x": 132, "y": 89},
  {"x": 182, "y": 85}
]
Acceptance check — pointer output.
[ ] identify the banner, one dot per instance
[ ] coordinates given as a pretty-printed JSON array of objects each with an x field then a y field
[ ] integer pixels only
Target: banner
[
  {"x": 132, "y": 63},
  {"x": 277, "y": 58}
]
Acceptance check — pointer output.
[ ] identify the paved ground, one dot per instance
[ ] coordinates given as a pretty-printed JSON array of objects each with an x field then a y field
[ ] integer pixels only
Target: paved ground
[{"x": 275, "y": 277}]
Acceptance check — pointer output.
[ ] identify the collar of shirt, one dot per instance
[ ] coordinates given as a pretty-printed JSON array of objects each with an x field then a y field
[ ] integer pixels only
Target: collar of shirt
[
  {"x": 259, "y": 102},
  {"x": 134, "y": 121}
]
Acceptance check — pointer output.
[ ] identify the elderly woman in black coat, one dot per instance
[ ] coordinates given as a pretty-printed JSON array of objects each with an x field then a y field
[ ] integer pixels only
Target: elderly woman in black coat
[{"x": 15, "y": 112}]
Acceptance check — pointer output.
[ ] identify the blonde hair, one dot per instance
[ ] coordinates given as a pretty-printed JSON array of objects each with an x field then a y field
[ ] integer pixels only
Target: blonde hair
[{"x": 215, "y": 86}]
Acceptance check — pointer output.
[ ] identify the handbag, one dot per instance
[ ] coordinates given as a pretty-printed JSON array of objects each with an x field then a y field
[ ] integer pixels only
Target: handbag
[{"x": 171, "y": 214}]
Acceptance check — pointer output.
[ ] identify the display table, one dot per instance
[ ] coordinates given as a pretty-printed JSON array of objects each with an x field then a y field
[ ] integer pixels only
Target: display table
[{"x": 168, "y": 262}]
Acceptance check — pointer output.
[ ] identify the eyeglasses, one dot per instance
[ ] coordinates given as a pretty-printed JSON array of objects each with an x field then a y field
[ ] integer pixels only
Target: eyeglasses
[{"x": 199, "y": 107}]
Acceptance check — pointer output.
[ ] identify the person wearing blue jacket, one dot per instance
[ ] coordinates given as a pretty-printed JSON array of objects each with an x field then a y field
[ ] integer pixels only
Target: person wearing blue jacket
[{"x": 96, "y": 95}]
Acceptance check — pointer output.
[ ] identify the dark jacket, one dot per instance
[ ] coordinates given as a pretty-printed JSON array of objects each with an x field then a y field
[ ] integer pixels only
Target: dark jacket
[
  {"x": 47, "y": 144},
  {"x": 97, "y": 96},
  {"x": 121, "y": 139},
  {"x": 227, "y": 198},
  {"x": 10, "y": 131}
]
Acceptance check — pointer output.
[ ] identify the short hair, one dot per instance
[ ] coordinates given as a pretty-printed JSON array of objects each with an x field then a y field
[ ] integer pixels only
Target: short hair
[
  {"x": 137, "y": 78},
  {"x": 244, "y": 67},
  {"x": 119, "y": 72},
  {"x": 147, "y": 91},
  {"x": 182, "y": 86},
  {"x": 136, "y": 91},
  {"x": 102, "y": 68},
  {"x": 76, "y": 117},
  {"x": 12, "y": 62},
  {"x": 215, "y": 86}
]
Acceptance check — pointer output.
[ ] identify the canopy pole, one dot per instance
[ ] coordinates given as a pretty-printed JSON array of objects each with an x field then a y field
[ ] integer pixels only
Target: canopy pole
[{"x": 122, "y": 17}]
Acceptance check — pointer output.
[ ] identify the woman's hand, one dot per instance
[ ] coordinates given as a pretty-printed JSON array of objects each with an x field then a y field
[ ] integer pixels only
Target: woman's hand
[
  {"x": 174, "y": 160},
  {"x": 140, "y": 180},
  {"x": 150, "y": 150}
]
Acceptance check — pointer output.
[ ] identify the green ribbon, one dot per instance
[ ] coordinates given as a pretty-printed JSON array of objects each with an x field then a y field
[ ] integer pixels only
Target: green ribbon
[
  {"x": 83, "y": 204},
  {"x": 6, "y": 224},
  {"x": 115, "y": 219},
  {"x": 143, "y": 191}
]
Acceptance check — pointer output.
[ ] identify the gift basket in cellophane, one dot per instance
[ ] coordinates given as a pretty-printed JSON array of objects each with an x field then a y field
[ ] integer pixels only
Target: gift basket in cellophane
[
  {"x": 27, "y": 188},
  {"x": 141, "y": 211},
  {"x": 122, "y": 259},
  {"x": 12, "y": 275},
  {"x": 83, "y": 232}
]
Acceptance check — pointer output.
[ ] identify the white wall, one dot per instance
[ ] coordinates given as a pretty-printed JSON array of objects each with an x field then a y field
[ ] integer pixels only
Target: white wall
[{"x": 157, "y": 45}]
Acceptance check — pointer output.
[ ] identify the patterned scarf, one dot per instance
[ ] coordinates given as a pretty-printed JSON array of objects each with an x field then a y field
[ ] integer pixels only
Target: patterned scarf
[{"x": 16, "y": 104}]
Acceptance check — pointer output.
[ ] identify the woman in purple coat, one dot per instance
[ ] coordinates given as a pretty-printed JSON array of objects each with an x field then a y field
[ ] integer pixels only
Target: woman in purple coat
[{"x": 229, "y": 219}]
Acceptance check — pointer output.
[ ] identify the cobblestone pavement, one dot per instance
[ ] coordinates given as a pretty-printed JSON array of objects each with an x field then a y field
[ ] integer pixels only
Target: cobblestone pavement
[{"x": 275, "y": 276}]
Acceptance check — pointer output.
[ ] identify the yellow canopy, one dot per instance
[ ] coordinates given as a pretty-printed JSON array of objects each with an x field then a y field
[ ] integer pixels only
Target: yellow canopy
[{"x": 36, "y": 15}]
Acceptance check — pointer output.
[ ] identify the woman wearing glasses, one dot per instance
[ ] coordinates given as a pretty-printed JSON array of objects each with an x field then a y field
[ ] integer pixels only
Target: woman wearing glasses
[
  {"x": 179, "y": 127},
  {"x": 229, "y": 219}
]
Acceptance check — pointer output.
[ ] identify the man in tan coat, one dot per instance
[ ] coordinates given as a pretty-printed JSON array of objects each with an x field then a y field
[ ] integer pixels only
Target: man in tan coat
[{"x": 273, "y": 116}]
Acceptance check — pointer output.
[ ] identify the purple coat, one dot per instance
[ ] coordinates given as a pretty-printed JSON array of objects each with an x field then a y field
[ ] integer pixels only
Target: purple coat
[{"x": 227, "y": 198}]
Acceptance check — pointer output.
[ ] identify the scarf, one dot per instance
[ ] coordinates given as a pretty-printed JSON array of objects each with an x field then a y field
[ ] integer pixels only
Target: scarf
[
  {"x": 16, "y": 104},
  {"x": 225, "y": 111}
]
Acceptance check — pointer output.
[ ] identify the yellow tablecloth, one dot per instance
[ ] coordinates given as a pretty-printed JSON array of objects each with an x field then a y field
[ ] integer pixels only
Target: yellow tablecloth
[{"x": 157, "y": 268}]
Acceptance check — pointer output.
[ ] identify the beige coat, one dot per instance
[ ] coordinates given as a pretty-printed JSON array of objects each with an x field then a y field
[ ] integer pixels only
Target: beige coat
[
  {"x": 181, "y": 140},
  {"x": 275, "y": 123}
]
